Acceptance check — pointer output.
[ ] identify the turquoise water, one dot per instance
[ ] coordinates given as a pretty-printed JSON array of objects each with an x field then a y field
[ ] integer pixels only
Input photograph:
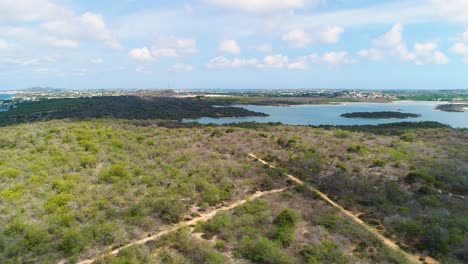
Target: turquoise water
[
  {"x": 330, "y": 114},
  {"x": 5, "y": 96}
]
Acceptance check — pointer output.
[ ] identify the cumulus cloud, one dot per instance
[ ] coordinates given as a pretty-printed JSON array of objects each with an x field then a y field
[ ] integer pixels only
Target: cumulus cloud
[
  {"x": 460, "y": 48},
  {"x": 372, "y": 54},
  {"x": 393, "y": 41},
  {"x": 34, "y": 37},
  {"x": 330, "y": 35},
  {"x": 260, "y": 6},
  {"x": 229, "y": 46},
  {"x": 452, "y": 10},
  {"x": 277, "y": 61},
  {"x": 465, "y": 36},
  {"x": 55, "y": 24},
  {"x": 333, "y": 58},
  {"x": 173, "y": 47},
  {"x": 299, "y": 38},
  {"x": 222, "y": 62},
  {"x": 428, "y": 53},
  {"x": 31, "y": 10},
  {"x": 142, "y": 54},
  {"x": 392, "y": 44},
  {"x": 95, "y": 26}
]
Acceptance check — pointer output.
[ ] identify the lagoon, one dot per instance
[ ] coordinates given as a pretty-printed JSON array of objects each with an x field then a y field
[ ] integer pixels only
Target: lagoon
[{"x": 330, "y": 114}]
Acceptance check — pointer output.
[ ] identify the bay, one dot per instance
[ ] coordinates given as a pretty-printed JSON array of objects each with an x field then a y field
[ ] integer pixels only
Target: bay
[{"x": 330, "y": 114}]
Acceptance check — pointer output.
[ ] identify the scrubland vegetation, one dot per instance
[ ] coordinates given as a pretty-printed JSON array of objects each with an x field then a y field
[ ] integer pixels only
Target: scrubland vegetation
[
  {"x": 127, "y": 107},
  {"x": 72, "y": 188},
  {"x": 380, "y": 115},
  {"x": 453, "y": 107}
]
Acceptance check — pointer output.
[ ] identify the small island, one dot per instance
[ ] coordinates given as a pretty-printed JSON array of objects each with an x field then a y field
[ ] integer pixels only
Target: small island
[
  {"x": 453, "y": 107},
  {"x": 380, "y": 115}
]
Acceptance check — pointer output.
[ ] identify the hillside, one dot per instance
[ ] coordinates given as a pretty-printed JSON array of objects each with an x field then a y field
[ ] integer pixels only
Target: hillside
[{"x": 71, "y": 190}]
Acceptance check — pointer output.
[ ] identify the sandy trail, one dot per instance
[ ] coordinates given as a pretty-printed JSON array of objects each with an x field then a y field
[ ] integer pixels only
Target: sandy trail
[
  {"x": 391, "y": 244},
  {"x": 204, "y": 217}
]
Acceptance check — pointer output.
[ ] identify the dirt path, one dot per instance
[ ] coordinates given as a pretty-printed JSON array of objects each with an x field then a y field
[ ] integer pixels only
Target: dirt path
[
  {"x": 204, "y": 217},
  {"x": 391, "y": 244}
]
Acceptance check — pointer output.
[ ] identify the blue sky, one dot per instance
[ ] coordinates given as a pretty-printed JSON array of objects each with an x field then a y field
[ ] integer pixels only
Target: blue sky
[{"x": 265, "y": 44}]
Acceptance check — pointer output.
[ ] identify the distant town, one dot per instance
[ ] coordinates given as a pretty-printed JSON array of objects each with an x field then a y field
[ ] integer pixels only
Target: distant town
[{"x": 40, "y": 93}]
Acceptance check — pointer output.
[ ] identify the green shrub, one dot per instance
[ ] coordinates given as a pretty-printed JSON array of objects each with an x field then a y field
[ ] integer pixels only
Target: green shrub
[
  {"x": 88, "y": 146},
  {"x": 115, "y": 173},
  {"x": 35, "y": 237},
  {"x": 419, "y": 176},
  {"x": 12, "y": 194},
  {"x": 284, "y": 235},
  {"x": 342, "y": 166},
  {"x": 170, "y": 209},
  {"x": 327, "y": 253},
  {"x": 357, "y": 149},
  {"x": 379, "y": 163},
  {"x": 409, "y": 229},
  {"x": 263, "y": 250},
  {"x": 287, "y": 218},
  {"x": 342, "y": 134},
  {"x": 220, "y": 244},
  {"x": 57, "y": 202},
  {"x": 72, "y": 241},
  {"x": 88, "y": 160},
  {"x": 10, "y": 173}
]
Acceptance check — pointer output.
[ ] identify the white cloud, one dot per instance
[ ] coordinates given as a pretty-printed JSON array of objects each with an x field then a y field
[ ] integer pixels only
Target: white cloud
[
  {"x": 392, "y": 44},
  {"x": 465, "y": 36},
  {"x": 96, "y": 61},
  {"x": 260, "y": 6},
  {"x": 95, "y": 26},
  {"x": 391, "y": 38},
  {"x": 229, "y": 46},
  {"x": 31, "y": 10},
  {"x": 297, "y": 38},
  {"x": 461, "y": 49},
  {"x": 265, "y": 48},
  {"x": 330, "y": 35},
  {"x": 221, "y": 62},
  {"x": 66, "y": 31},
  {"x": 299, "y": 64},
  {"x": 277, "y": 61},
  {"x": 181, "y": 67},
  {"x": 439, "y": 58},
  {"x": 30, "y": 36},
  {"x": 173, "y": 47},
  {"x": 333, "y": 58},
  {"x": 452, "y": 10},
  {"x": 142, "y": 54},
  {"x": 372, "y": 54}
]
